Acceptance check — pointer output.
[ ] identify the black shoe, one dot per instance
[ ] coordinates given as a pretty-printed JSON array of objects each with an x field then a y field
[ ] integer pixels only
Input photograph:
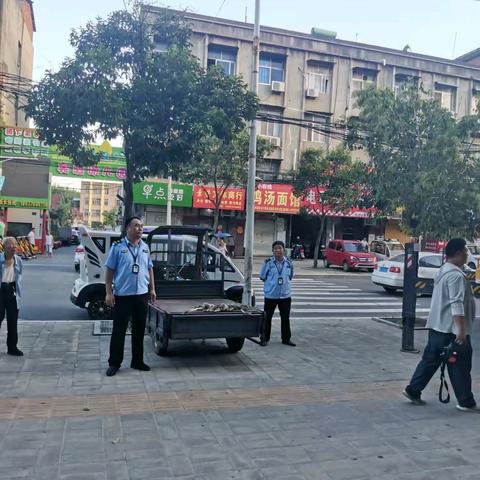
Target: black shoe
[
  {"x": 263, "y": 343},
  {"x": 414, "y": 400},
  {"x": 111, "y": 371},
  {"x": 289, "y": 342},
  {"x": 15, "y": 352},
  {"x": 143, "y": 367}
]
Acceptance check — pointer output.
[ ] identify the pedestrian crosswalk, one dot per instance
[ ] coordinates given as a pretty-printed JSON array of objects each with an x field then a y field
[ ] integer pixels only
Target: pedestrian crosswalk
[{"x": 313, "y": 298}]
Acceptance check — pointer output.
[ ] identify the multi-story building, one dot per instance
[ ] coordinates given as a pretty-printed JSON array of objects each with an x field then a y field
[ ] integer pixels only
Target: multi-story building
[
  {"x": 313, "y": 78},
  {"x": 96, "y": 198},
  {"x": 17, "y": 26}
]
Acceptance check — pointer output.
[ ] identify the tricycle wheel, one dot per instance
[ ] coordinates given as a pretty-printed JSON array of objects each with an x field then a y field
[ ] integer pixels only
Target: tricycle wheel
[
  {"x": 98, "y": 310},
  {"x": 235, "y": 344},
  {"x": 160, "y": 344}
]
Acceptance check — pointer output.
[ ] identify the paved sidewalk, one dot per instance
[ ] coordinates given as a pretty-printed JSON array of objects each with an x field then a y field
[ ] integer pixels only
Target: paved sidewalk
[{"x": 330, "y": 409}]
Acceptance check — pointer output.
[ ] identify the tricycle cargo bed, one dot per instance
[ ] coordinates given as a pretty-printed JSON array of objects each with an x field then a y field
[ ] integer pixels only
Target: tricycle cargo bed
[
  {"x": 174, "y": 306},
  {"x": 189, "y": 288}
]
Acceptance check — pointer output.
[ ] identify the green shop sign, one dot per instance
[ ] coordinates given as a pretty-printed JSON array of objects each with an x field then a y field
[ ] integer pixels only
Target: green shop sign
[
  {"x": 155, "y": 193},
  {"x": 107, "y": 171},
  {"x": 24, "y": 202}
]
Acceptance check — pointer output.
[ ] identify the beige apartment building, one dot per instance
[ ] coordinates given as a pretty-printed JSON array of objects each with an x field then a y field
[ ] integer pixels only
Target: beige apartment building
[
  {"x": 17, "y": 26},
  {"x": 313, "y": 77},
  {"x": 97, "y": 198}
]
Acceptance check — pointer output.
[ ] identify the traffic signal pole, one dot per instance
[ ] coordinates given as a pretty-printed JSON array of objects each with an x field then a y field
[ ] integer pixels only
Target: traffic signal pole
[{"x": 409, "y": 297}]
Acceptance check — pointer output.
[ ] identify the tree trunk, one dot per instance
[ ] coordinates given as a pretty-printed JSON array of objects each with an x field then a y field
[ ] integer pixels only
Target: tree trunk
[
  {"x": 128, "y": 200},
  {"x": 216, "y": 217},
  {"x": 318, "y": 241}
]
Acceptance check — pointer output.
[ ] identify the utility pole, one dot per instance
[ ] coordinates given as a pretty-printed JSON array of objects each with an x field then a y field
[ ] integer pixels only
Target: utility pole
[
  {"x": 252, "y": 166},
  {"x": 169, "y": 200}
]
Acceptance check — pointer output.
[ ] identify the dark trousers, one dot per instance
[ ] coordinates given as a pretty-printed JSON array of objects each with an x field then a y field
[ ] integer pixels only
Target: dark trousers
[
  {"x": 459, "y": 372},
  {"x": 132, "y": 307},
  {"x": 284, "y": 305},
  {"x": 8, "y": 306}
]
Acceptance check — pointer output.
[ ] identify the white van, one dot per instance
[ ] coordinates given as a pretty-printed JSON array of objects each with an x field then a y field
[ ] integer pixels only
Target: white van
[{"x": 89, "y": 289}]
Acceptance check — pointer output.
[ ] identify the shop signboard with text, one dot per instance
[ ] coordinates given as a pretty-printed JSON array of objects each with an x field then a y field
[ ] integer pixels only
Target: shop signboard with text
[
  {"x": 232, "y": 199},
  {"x": 24, "y": 202},
  {"x": 155, "y": 193},
  {"x": 276, "y": 198}
]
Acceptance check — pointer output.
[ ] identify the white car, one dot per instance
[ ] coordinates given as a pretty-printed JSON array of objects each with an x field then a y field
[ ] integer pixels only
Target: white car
[
  {"x": 79, "y": 257},
  {"x": 473, "y": 255},
  {"x": 389, "y": 273}
]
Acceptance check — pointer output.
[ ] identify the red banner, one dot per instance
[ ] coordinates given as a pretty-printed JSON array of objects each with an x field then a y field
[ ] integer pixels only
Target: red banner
[
  {"x": 276, "y": 198},
  {"x": 312, "y": 205},
  {"x": 233, "y": 198}
]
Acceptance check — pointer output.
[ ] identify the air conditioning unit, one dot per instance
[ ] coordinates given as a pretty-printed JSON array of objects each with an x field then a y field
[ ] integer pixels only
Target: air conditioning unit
[
  {"x": 274, "y": 141},
  {"x": 278, "y": 87},
  {"x": 312, "y": 92}
]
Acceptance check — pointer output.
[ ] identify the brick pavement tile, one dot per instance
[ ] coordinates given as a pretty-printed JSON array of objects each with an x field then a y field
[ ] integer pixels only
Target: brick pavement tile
[
  {"x": 180, "y": 465},
  {"x": 117, "y": 470}
]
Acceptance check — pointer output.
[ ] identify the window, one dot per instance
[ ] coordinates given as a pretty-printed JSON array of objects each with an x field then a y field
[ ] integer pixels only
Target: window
[
  {"x": 270, "y": 128},
  {"x": 105, "y": 202},
  {"x": 355, "y": 248},
  {"x": 315, "y": 122},
  {"x": 272, "y": 68},
  {"x": 402, "y": 80},
  {"x": 95, "y": 213},
  {"x": 223, "y": 57},
  {"x": 362, "y": 78},
  {"x": 432, "y": 261},
  {"x": 398, "y": 259},
  {"x": 318, "y": 77},
  {"x": 96, "y": 201},
  {"x": 19, "y": 55},
  {"x": 475, "y": 99},
  {"x": 160, "y": 45},
  {"x": 446, "y": 96}
]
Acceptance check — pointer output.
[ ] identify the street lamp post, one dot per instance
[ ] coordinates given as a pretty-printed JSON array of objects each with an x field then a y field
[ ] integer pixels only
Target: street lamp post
[{"x": 252, "y": 166}]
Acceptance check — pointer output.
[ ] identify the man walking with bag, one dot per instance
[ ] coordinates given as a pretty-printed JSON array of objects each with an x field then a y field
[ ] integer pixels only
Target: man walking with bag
[
  {"x": 450, "y": 320},
  {"x": 277, "y": 274}
]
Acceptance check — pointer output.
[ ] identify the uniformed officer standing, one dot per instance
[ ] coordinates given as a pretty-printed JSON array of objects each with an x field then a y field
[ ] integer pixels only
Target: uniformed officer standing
[
  {"x": 130, "y": 269},
  {"x": 277, "y": 274}
]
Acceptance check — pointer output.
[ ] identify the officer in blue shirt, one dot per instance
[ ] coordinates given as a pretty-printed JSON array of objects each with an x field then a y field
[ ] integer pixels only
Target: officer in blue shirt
[
  {"x": 277, "y": 274},
  {"x": 130, "y": 270}
]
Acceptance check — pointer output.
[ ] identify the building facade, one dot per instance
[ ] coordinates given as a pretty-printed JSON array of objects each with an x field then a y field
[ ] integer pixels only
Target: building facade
[
  {"x": 313, "y": 78},
  {"x": 17, "y": 26},
  {"x": 96, "y": 198}
]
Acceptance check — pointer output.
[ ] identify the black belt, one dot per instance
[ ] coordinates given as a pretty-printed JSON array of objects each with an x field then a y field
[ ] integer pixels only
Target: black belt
[{"x": 7, "y": 284}]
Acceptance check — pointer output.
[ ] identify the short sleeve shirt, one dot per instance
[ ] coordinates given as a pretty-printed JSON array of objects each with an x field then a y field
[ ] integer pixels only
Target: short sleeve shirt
[
  {"x": 271, "y": 272},
  {"x": 121, "y": 260}
]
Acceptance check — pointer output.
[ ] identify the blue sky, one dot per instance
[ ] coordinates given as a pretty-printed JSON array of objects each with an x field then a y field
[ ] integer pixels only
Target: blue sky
[{"x": 428, "y": 26}]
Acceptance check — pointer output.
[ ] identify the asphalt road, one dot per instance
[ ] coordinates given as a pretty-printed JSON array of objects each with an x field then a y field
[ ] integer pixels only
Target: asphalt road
[{"x": 47, "y": 283}]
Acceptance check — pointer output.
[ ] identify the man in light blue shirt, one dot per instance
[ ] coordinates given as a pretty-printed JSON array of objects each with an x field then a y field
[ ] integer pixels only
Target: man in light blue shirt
[
  {"x": 129, "y": 284},
  {"x": 277, "y": 274}
]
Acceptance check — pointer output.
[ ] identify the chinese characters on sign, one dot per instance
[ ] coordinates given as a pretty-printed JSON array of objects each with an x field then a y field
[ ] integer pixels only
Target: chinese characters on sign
[
  {"x": 100, "y": 171},
  {"x": 155, "y": 193},
  {"x": 22, "y": 141},
  {"x": 276, "y": 198},
  {"x": 233, "y": 198}
]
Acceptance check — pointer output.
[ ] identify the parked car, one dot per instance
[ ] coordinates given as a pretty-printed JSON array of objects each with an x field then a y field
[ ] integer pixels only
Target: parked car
[
  {"x": 389, "y": 273},
  {"x": 473, "y": 255},
  {"x": 79, "y": 257},
  {"x": 384, "y": 249},
  {"x": 348, "y": 254}
]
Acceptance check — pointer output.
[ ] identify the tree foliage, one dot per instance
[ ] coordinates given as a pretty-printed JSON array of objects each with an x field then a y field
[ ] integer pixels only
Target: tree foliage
[
  {"x": 224, "y": 164},
  {"x": 423, "y": 163},
  {"x": 155, "y": 95},
  {"x": 331, "y": 182},
  {"x": 110, "y": 218}
]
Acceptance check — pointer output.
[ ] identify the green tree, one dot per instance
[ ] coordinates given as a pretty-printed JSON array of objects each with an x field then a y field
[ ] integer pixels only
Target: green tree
[
  {"x": 423, "y": 163},
  {"x": 61, "y": 216},
  {"x": 110, "y": 218},
  {"x": 133, "y": 75},
  {"x": 331, "y": 182},
  {"x": 224, "y": 164}
]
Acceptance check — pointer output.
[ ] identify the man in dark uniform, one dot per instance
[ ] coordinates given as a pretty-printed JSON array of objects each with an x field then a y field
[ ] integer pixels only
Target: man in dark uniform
[
  {"x": 130, "y": 269},
  {"x": 277, "y": 274}
]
